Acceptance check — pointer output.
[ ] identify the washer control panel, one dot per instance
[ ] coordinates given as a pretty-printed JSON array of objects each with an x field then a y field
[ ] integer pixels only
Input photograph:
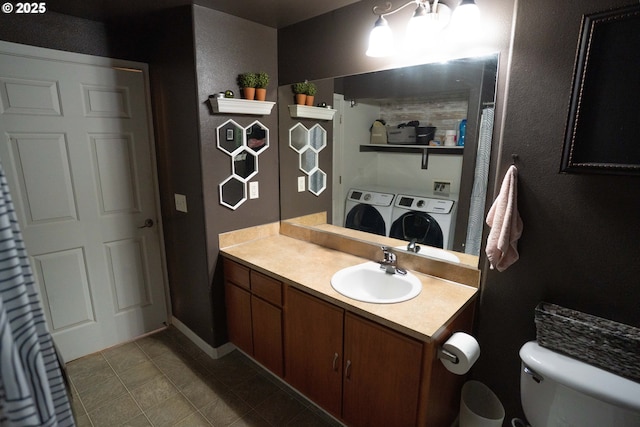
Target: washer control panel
[
  {"x": 371, "y": 197},
  {"x": 423, "y": 204}
]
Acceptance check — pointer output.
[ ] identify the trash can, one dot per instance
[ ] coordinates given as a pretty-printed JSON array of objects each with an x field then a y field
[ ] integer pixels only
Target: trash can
[{"x": 479, "y": 406}]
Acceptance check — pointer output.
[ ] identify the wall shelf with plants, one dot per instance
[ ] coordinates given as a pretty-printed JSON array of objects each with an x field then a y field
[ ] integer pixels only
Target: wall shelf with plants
[
  {"x": 307, "y": 112},
  {"x": 253, "y": 87},
  {"x": 304, "y": 93},
  {"x": 241, "y": 106}
]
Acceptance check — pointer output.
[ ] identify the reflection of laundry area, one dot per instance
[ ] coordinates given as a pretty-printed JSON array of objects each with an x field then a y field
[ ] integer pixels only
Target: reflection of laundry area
[
  {"x": 384, "y": 188},
  {"x": 415, "y": 218}
]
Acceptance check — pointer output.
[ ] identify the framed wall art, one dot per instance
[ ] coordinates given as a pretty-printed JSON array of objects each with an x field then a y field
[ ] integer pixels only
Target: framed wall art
[{"x": 602, "y": 134}]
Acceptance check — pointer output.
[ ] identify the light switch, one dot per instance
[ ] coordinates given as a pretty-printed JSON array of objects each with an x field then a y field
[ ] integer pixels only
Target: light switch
[
  {"x": 181, "y": 202},
  {"x": 254, "y": 192},
  {"x": 301, "y": 184}
]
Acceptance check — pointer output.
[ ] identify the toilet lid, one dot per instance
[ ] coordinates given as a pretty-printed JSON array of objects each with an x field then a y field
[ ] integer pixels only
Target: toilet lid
[{"x": 420, "y": 226}]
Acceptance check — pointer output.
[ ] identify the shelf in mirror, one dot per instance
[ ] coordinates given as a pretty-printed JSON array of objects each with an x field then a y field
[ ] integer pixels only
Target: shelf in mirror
[
  {"x": 424, "y": 150},
  {"x": 241, "y": 106},
  {"x": 308, "y": 112},
  {"x": 398, "y": 148}
]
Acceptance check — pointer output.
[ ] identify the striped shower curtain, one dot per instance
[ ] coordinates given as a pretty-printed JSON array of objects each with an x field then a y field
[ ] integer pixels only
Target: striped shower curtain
[
  {"x": 479, "y": 191},
  {"x": 32, "y": 387}
]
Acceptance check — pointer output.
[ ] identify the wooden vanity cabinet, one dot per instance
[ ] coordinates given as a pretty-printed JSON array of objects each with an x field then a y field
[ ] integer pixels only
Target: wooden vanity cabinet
[
  {"x": 368, "y": 375},
  {"x": 313, "y": 349},
  {"x": 360, "y": 371},
  {"x": 382, "y": 375},
  {"x": 254, "y": 314}
]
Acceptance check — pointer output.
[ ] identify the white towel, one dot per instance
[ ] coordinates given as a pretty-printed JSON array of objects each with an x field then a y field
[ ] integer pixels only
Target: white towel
[{"x": 506, "y": 224}]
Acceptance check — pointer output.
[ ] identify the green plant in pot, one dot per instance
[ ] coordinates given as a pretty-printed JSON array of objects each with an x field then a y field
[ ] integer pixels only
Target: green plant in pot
[
  {"x": 248, "y": 82},
  {"x": 311, "y": 93},
  {"x": 300, "y": 91},
  {"x": 262, "y": 81}
]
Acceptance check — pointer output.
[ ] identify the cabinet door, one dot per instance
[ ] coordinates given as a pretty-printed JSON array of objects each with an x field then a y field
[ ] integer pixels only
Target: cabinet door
[
  {"x": 267, "y": 334},
  {"x": 238, "y": 303},
  {"x": 313, "y": 342},
  {"x": 382, "y": 375}
]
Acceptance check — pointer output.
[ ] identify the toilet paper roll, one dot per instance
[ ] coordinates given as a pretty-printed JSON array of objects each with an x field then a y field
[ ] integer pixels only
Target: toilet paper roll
[{"x": 466, "y": 348}]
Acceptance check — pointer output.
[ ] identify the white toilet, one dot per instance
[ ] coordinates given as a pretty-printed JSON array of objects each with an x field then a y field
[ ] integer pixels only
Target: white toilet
[{"x": 557, "y": 390}]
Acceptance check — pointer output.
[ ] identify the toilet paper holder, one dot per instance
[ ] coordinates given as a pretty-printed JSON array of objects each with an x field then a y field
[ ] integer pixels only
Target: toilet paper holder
[{"x": 447, "y": 355}]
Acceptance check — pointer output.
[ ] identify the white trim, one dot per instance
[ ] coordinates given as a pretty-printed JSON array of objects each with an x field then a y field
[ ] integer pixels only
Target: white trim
[{"x": 213, "y": 352}]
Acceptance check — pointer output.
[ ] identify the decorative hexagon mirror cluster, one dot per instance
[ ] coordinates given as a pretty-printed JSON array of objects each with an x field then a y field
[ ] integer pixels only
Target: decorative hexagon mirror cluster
[
  {"x": 308, "y": 143},
  {"x": 242, "y": 145}
]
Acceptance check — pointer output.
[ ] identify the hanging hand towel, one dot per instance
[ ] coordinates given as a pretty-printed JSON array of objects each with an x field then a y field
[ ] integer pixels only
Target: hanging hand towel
[{"x": 505, "y": 223}]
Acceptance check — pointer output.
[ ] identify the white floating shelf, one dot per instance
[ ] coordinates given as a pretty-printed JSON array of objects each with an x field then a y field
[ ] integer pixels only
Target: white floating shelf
[
  {"x": 241, "y": 106},
  {"x": 307, "y": 112}
]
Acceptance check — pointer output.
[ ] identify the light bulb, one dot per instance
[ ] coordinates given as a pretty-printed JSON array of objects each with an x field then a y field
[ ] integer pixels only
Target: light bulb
[
  {"x": 467, "y": 14},
  {"x": 380, "y": 39}
]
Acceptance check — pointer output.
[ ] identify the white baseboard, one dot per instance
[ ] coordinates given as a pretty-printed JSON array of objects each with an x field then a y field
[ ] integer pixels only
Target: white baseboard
[{"x": 213, "y": 352}]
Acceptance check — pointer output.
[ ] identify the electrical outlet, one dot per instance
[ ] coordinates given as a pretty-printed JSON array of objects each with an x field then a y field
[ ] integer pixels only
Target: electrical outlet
[
  {"x": 301, "y": 184},
  {"x": 181, "y": 202},
  {"x": 442, "y": 188},
  {"x": 254, "y": 191}
]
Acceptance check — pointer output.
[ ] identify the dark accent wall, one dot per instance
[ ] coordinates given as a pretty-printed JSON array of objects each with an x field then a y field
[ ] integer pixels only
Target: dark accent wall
[
  {"x": 580, "y": 242},
  {"x": 56, "y": 31},
  {"x": 178, "y": 152},
  {"x": 293, "y": 203},
  {"x": 226, "y": 46}
]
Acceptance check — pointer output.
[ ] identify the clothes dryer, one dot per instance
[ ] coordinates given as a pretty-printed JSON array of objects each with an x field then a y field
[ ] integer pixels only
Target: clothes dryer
[
  {"x": 369, "y": 211},
  {"x": 427, "y": 219}
]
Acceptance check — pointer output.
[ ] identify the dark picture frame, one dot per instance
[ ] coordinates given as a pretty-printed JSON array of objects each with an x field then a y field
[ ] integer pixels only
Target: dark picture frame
[{"x": 603, "y": 127}]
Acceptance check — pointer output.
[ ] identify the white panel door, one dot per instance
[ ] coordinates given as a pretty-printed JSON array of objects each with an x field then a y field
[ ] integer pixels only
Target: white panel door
[{"x": 75, "y": 143}]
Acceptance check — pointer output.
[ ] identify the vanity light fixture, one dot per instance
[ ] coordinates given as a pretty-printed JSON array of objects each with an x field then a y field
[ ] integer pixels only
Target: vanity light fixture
[{"x": 428, "y": 20}]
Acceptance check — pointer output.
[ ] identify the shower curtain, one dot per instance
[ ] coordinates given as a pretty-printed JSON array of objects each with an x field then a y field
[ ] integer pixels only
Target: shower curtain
[
  {"x": 479, "y": 191},
  {"x": 32, "y": 386}
]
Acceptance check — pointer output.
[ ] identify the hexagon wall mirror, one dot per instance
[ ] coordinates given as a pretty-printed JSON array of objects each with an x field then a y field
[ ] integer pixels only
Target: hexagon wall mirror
[
  {"x": 233, "y": 192},
  {"x": 230, "y": 137},
  {"x": 257, "y": 137},
  {"x": 317, "y": 182},
  {"x": 298, "y": 137},
  {"x": 308, "y": 143},
  {"x": 243, "y": 146}
]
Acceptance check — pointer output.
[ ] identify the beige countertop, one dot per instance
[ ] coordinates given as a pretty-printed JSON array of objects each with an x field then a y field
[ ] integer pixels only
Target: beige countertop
[{"x": 309, "y": 267}]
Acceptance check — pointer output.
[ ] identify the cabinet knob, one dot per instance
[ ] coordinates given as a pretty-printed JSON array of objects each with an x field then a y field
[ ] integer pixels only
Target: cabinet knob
[
  {"x": 346, "y": 370},
  {"x": 335, "y": 359}
]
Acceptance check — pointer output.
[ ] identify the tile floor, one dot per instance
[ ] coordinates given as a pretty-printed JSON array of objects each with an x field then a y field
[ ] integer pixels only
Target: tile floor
[{"x": 165, "y": 380}]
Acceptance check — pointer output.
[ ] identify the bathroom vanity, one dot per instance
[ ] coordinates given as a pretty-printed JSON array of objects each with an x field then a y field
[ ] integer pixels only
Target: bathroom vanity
[{"x": 366, "y": 364}]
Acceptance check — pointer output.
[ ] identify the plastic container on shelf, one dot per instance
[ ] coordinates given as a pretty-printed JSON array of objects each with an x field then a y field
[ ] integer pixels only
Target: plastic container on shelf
[{"x": 463, "y": 132}]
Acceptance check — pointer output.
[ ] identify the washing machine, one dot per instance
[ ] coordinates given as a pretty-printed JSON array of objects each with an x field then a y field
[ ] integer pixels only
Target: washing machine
[
  {"x": 428, "y": 219},
  {"x": 369, "y": 210}
]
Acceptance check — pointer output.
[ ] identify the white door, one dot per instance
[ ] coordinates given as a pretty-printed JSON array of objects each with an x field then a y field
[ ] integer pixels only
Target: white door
[{"x": 75, "y": 144}]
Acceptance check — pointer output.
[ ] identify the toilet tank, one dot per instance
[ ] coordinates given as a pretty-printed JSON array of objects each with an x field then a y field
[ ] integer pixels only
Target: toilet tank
[{"x": 557, "y": 390}]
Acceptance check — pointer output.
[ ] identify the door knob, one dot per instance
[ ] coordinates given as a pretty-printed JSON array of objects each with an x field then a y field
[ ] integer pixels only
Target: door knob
[{"x": 147, "y": 223}]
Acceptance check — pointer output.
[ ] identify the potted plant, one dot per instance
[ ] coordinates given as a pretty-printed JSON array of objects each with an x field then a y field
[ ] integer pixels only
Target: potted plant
[
  {"x": 300, "y": 91},
  {"x": 311, "y": 93},
  {"x": 262, "y": 81},
  {"x": 247, "y": 82}
]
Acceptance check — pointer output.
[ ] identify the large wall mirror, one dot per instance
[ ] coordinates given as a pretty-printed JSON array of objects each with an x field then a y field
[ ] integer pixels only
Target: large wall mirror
[{"x": 438, "y": 95}]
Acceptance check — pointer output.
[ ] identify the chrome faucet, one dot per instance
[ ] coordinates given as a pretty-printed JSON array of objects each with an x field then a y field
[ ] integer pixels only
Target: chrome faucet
[
  {"x": 389, "y": 262},
  {"x": 413, "y": 246}
]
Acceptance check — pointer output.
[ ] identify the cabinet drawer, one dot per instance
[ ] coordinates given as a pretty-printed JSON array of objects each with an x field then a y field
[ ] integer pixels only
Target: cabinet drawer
[
  {"x": 267, "y": 288},
  {"x": 236, "y": 273}
]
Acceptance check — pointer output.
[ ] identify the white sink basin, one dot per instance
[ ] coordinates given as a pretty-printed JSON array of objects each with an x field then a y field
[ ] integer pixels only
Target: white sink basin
[
  {"x": 434, "y": 253},
  {"x": 367, "y": 282}
]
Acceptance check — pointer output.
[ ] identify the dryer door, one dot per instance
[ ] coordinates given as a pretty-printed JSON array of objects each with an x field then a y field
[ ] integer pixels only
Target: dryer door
[
  {"x": 420, "y": 226},
  {"x": 366, "y": 218}
]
